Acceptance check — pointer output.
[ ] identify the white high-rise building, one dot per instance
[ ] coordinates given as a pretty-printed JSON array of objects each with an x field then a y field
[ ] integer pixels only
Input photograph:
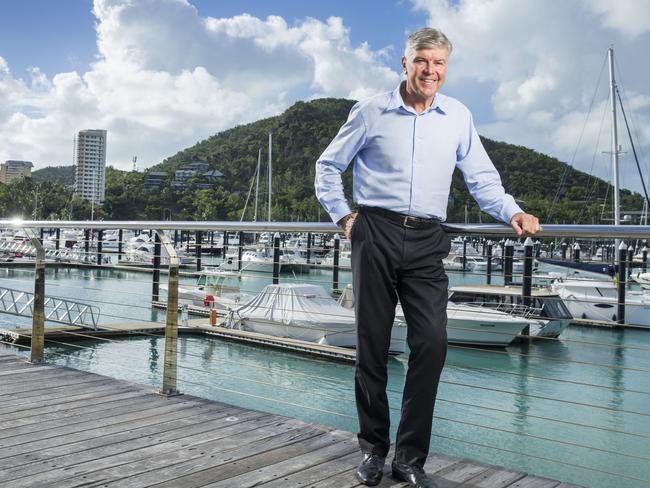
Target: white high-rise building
[{"x": 90, "y": 177}]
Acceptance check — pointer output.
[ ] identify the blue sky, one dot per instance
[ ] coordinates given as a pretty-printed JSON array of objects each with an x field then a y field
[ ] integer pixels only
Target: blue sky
[{"x": 160, "y": 75}]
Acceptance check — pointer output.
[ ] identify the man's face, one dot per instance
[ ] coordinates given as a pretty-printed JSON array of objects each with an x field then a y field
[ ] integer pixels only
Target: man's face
[{"x": 425, "y": 73}]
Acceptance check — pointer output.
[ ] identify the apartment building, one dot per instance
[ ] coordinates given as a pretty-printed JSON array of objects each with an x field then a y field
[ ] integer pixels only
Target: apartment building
[{"x": 90, "y": 175}]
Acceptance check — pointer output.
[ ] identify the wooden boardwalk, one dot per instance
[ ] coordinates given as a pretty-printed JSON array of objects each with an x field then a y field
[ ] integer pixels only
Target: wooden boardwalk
[{"x": 61, "y": 427}]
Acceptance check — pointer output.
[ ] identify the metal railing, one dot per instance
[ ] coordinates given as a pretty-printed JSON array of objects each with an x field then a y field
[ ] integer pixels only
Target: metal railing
[{"x": 163, "y": 244}]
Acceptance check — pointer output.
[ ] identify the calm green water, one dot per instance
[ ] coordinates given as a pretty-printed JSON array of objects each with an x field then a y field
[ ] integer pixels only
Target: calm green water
[{"x": 574, "y": 409}]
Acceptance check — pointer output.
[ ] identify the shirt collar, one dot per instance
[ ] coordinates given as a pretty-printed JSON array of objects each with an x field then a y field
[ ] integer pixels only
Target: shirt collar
[{"x": 395, "y": 102}]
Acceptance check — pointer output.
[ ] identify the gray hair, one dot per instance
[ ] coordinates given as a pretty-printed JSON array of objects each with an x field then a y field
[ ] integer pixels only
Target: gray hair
[{"x": 426, "y": 38}]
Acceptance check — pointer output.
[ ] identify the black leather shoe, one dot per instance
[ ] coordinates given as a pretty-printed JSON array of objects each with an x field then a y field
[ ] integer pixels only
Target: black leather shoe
[
  {"x": 414, "y": 475},
  {"x": 371, "y": 469}
]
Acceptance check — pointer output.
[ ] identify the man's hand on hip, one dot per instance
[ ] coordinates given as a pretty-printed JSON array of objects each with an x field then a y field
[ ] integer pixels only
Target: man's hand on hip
[
  {"x": 346, "y": 224},
  {"x": 525, "y": 224}
]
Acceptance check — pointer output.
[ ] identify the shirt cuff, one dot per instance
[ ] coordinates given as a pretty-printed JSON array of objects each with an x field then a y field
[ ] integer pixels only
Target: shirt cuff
[
  {"x": 340, "y": 211},
  {"x": 509, "y": 209}
]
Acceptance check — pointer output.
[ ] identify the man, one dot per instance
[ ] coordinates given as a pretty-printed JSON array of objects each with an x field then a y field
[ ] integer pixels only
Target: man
[{"x": 406, "y": 144}]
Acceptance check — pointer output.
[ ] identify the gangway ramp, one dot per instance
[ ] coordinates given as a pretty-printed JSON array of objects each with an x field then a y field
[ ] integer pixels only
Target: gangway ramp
[{"x": 60, "y": 310}]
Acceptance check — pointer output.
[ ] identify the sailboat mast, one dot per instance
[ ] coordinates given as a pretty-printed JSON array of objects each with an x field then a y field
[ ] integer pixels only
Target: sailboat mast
[
  {"x": 612, "y": 87},
  {"x": 270, "y": 170},
  {"x": 257, "y": 182}
]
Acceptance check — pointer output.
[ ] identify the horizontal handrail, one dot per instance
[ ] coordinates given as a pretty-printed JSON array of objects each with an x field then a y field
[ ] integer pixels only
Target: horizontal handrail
[{"x": 551, "y": 230}]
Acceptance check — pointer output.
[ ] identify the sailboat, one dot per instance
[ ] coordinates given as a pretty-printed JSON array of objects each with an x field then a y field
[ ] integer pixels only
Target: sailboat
[{"x": 598, "y": 299}]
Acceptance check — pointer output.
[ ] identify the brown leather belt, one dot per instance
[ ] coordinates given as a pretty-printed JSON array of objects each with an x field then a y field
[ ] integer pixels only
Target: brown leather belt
[{"x": 407, "y": 221}]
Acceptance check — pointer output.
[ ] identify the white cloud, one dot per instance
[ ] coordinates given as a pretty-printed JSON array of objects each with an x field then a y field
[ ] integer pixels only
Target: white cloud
[
  {"x": 165, "y": 78},
  {"x": 541, "y": 61}
]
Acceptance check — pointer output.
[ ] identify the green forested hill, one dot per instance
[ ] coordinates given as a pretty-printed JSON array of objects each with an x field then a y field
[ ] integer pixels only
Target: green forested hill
[
  {"x": 300, "y": 134},
  {"x": 59, "y": 174}
]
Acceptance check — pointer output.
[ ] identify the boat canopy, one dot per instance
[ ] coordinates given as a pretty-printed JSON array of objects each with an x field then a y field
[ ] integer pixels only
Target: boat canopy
[{"x": 297, "y": 304}]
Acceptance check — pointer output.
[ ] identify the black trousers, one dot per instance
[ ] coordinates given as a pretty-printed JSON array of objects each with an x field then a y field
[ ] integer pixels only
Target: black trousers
[{"x": 390, "y": 261}]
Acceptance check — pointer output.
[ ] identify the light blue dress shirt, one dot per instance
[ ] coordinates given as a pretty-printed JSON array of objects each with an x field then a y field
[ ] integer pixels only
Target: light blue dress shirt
[{"x": 403, "y": 161}]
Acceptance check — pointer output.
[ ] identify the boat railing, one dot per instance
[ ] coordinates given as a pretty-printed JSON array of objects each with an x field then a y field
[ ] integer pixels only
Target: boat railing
[{"x": 513, "y": 309}]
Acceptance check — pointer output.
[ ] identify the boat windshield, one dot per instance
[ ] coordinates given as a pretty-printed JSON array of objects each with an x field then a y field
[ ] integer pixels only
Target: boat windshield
[{"x": 217, "y": 281}]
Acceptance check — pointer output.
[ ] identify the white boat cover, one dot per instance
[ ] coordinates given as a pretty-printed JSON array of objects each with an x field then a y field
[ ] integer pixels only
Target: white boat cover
[{"x": 296, "y": 304}]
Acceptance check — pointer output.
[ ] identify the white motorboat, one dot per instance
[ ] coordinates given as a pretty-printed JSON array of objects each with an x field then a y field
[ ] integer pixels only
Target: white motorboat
[
  {"x": 547, "y": 313},
  {"x": 345, "y": 260},
  {"x": 213, "y": 289},
  {"x": 256, "y": 260},
  {"x": 642, "y": 279},
  {"x": 468, "y": 324},
  {"x": 598, "y": 300},
  {"x": 454, "y": 262},
  {"x": 305, "y": 312}
]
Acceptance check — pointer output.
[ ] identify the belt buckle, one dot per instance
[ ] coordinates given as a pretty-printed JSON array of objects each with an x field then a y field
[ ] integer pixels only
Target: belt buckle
[{"x": 405, "y": 222}]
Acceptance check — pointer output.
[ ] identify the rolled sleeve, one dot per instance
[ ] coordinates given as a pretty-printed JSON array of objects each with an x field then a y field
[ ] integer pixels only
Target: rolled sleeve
[
  {"x": 335, "y": 160},
  {"x": 482, "y": 178}
]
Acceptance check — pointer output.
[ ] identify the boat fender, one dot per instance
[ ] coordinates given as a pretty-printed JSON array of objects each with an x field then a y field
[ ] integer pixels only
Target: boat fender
[{"x": 208, "y": 301}]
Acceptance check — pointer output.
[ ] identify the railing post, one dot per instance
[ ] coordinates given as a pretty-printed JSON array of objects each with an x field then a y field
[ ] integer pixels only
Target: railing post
[
  {"x": 100, "y": 239},
  {"x": 38, "y": 316},
  {"x": 199, "y": 245},
  {"x": 120, "y": 239},
  {"x": 489, "y": 264},
  {"x": 622, "y": 252},
  {"x": 224, "y": 244},
  {"x": 527, "y": 279},
  {"x": 170, "y": 367},
  {"x": 464, "y": 254},
  {"x": 576, "y": 253},
  {"x": 276, "y": 258},
  {"x": 644, "y": 259},
  {"x": 564, "y": 246},
  {"x": 507, "y": 264},
  {"x": 240, "y": 251},
  {"x": 58, "y": 239},
  {"x": 630, "y": 260},
  {"x": 155, "y": 293},
  {"x": 335, "y": 269},
  {"x": 86, "y": 245},
  {"x": 308, "y": 247}
]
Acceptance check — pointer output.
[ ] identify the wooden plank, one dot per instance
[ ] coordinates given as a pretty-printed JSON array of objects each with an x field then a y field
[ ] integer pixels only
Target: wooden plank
[
  {"x": 59, "y": 411},
  {"x": 90, "y": 449},
  {"x": 71, "y": 399},
  {"x": 344, "y": 445},
  {"x": 22, "y": 371},
  {"x": 46, "y": 384},
  {"x": 494, "y": 477},
  {"x": 72, "y": 467},
  {"x": 79, "y": 422},
  {"x": 458, "y": 473},
  {"x": 20, "y": 378},
  {"x": 78, "y": 393},
  {"x": 436, "y": 462},
  {"x": 17, "y": 363},
  {"x": 534, "y": 482},
  {"x": 30, "y": 397},
  {"x": 314, "y": 476},
  {"x": 126, "y": 470}
]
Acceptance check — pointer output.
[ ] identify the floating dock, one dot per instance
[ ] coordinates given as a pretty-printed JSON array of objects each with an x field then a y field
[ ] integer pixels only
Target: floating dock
[
  {"x": 201, "y": 326},
  {"x": 64, "y": 427}
]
